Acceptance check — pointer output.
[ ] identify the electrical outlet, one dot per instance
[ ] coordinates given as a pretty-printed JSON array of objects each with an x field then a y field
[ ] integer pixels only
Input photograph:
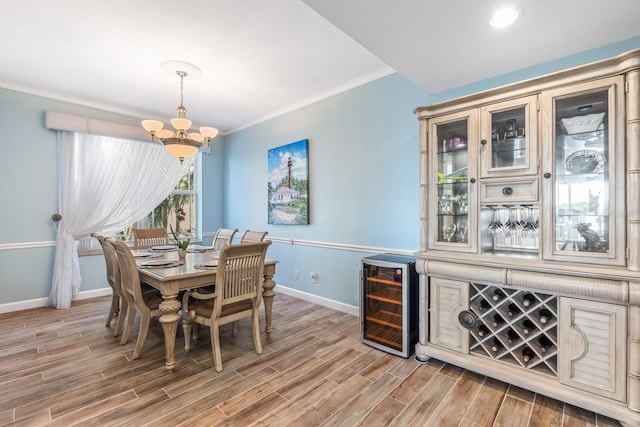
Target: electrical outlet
[
  {"x": 314, "y": 278},
  {"x": 296, "y": 274}
]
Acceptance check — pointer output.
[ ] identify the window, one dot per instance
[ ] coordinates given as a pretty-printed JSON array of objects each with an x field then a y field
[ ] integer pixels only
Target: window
[{"x": 179, "y": 211}]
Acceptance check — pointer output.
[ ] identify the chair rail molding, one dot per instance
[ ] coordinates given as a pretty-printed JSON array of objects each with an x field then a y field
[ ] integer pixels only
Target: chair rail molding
[
  {"x": 27, "y": 245},
  {"x": 275, "y": 239},
  {"x": 340, "y": 246}
]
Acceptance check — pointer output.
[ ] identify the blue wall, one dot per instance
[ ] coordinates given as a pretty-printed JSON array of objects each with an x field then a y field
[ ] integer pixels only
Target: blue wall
[
  {"x": 29, "y": 195},
  {"x": 363, "y": 161},
  {"x": 363, "y": 166},
  {"x": 363, "y": 183}
]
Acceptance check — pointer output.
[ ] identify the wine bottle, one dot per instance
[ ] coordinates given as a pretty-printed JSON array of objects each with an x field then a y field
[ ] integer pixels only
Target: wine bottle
[
  {"x": 528, "y": 300},
  {"x": 497, "y": 320},
  {"x": 483, "y": 330},
  {"x": 545, "y": 343},
  {"x": 544, "y": 315},
  {"x": 527, "y": 354},
  {"x": 498, "y": 295},
  {"x": 527, "y": 326},
  {"x": 397, "y": 275},
  {"x": 513, "y": 310},
  {"x": 512, "y": 336},
  {"x": 484, "y": 305},
  {"x": 496, "y": 345}
]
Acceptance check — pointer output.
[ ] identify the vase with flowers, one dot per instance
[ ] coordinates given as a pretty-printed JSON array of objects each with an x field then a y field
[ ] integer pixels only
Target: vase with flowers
[{"x": 182, "y": 244}]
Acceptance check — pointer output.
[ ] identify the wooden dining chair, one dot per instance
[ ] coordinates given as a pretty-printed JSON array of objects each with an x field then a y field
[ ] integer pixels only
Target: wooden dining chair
[
  {"x": 146, "y": 303},
  {"x": 118, "y": 302},
  {"x": 144, "y": 238},
  {"x": 247, "y": 237},
  {"x": 253, "y": 236},
  {"x": 238, "y": 292},
  {"x": 223, "y": 236}
]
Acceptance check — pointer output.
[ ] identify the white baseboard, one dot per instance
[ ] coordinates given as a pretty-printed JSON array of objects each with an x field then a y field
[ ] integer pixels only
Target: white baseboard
[
  {"x": 42, "y": 302},
  {"x": 326, "y": 302}
]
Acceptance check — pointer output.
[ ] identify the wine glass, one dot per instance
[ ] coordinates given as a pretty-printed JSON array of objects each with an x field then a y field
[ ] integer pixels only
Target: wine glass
[
  {"x": 449, "y": 230},
  {"x": 534, "y": 218},
  {"x": 530, "y": 228},
  {"x": 463, "y": 203},
  {"x": 511, "y": 226},
  {"x": 522, "y": 215},
  {"x": 495, "y": 226},
  {"x": 463, "y": 229},
  {"x": 445, "y": 203}
]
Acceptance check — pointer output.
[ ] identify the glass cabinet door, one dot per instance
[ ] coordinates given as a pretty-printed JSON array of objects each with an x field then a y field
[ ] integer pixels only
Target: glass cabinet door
[
  {"x": 509, "y": 138},
  {"x": 584, "y": 161},
  {"x": 453, "y": 224}
]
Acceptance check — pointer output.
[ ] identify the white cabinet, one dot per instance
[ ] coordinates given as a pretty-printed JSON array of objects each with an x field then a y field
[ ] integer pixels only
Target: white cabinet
[
  {"x": 488, "y": 188},
  {"x": 533, "y": 189}
]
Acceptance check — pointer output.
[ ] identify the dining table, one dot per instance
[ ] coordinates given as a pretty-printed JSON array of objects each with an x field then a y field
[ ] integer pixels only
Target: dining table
[{"x": 164, "y": 270}]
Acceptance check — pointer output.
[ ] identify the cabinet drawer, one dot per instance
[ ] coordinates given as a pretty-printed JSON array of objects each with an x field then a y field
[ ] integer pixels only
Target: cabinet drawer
[{"x": 508, "y": 190}]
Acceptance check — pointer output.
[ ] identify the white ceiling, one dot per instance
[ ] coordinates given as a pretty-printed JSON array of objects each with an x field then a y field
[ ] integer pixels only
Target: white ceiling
[
  {"x": 261, "y": 58},
  {"x": 443, "y": 44}
]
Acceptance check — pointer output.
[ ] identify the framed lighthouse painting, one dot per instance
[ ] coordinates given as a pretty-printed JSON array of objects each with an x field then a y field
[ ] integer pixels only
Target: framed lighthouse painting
[{"x": 288, "y": 183}]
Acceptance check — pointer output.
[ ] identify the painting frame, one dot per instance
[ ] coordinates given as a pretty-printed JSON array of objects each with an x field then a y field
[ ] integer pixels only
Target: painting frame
[{"x": 288, "y": 184}]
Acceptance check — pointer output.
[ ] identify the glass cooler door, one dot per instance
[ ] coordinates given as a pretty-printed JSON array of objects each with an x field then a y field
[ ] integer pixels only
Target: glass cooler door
[{"x": 383, "y": 306}]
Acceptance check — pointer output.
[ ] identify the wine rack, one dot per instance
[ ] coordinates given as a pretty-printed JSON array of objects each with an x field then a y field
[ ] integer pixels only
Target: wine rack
[{"x": 516, "y": 327}]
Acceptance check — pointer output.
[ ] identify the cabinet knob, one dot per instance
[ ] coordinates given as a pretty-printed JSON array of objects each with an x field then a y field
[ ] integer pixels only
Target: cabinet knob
[
  {"x": 472, "y": 180},
  {"x": 483, "y": 142},
  {"x": 507, "y": 191},
  {"x": 547, "y": 175}
]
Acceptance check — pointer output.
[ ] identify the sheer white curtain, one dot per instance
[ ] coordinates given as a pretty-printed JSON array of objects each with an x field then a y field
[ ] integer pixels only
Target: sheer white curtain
[{"x": 105, "y": 184}]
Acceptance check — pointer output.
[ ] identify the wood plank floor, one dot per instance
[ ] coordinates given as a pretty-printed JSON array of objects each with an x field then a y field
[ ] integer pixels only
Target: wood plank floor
[{"x": 64, "y": 368}]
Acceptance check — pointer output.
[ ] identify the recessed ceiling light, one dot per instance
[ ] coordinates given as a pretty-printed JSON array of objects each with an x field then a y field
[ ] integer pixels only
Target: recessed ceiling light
[{"x": 504, "y": 17}]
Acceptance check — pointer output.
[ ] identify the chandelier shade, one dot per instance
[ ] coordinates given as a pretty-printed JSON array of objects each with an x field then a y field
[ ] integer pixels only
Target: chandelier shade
[
  {"x": 180, "y": 148},
  {"x": 179, "y": 142}
]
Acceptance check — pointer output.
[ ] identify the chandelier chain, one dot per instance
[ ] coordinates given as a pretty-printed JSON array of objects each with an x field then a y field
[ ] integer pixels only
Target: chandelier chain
[{"x": 182, "y": 75}]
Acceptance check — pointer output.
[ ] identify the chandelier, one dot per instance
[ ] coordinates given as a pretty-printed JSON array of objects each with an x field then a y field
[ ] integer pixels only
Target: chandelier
[{"x": 180, "y": 142}]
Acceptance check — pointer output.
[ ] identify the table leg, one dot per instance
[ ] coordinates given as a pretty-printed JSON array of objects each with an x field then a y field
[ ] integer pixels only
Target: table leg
[
  {"x": 169, "y": 321},
  {"x": 268, "y": 294}
]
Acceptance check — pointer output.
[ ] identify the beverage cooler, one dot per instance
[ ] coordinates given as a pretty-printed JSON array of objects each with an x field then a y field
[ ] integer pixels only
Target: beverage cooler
[{"x": 389, "y": 303}]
